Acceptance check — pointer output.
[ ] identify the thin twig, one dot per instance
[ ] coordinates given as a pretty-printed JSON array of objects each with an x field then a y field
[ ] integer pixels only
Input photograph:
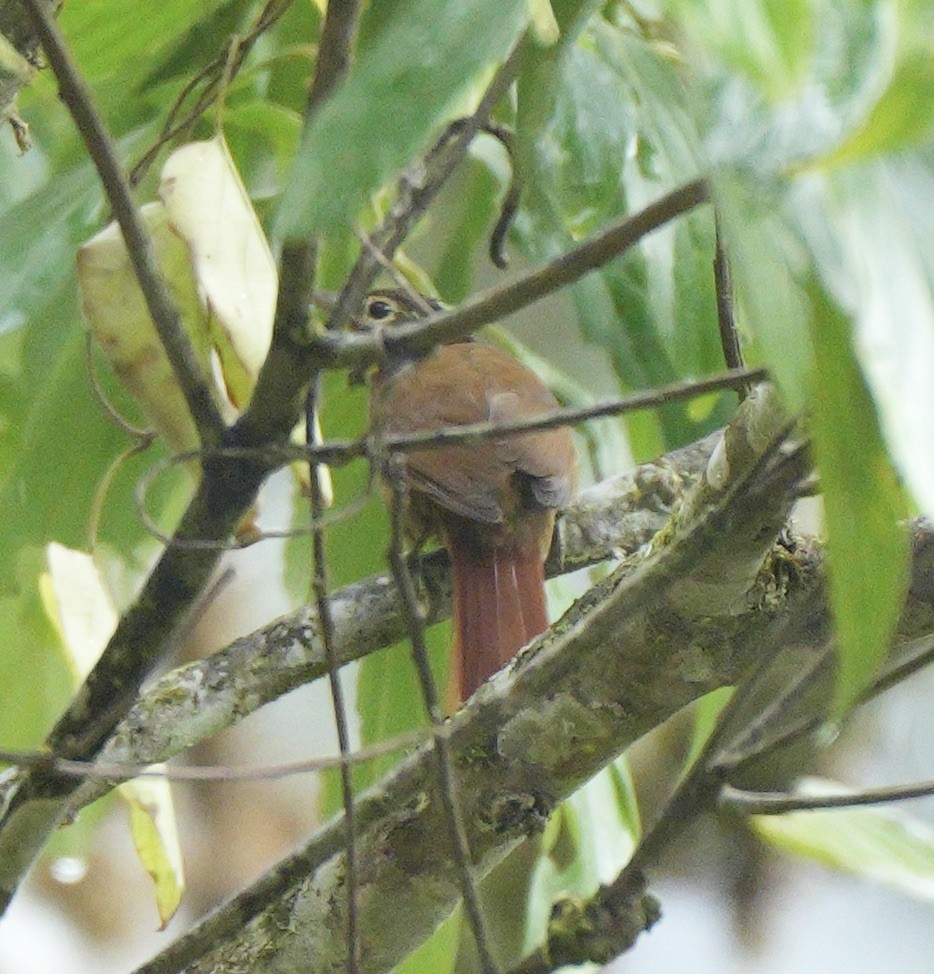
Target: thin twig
[
  {"x": 779, "y": 803},
  {"x": 415, "y": 623},
  {"x": 358, "y": 349},
  {"x": 334, "y": 50},
  {"x": 227, "y": 62},
  {"x": 417, "y": 188},
  {"x": 338, "y": 452},
  {"x": 417, "y": 298},
  {"x": 106, "y": 482},
  {"x": 335, "y": 452},
  {"x": 555, "y": 275},
  {"x": 810, "y": 723},
  {"x": 723, "y": 283},
  {"x": 648, "y": 399},
  {"x": 109, "y": 409},
  {"x": 320, "y": 588},
  {"x": 510, "y": 204},
  {"x": 116, "y": 771},
  {"x": 284, "y": 455},
  {"x": 507, "y": 214},
  {"x": 915, "y": 656},
  {"x": 165, "y": 316}
]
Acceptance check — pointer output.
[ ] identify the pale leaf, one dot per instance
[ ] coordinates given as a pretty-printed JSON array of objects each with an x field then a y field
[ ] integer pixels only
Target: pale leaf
[
  {"x": 876, "y": 843},
  {"x": 79, "y": 607},
  {"x": 207, "y": 206},
  {"x": 155, "y": 835},
  {"x": 119, "y": 320}
]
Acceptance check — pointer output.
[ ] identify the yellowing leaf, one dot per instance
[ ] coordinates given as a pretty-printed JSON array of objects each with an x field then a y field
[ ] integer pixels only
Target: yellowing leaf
[
  {"x": 78, "y": 606},
  {"x": 222, "y": 276},
  {"x": 871, "y": 842},
  {"x": 120, "y": 323},
  {"x": 207, "y": 206},
  {"x": 153, "y": 826},
  {"x": 77, "y": 602}
]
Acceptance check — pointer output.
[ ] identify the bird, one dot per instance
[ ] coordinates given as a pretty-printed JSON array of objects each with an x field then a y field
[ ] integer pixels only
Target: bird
[{"x": 491, "y": 503}]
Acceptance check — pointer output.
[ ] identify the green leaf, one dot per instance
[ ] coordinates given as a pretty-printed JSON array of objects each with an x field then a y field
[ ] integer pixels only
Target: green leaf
[
  {"x": 262, "y": 137},
  {"x": 37, "y": 249},
  {"x": 587, "y": 842},
  {"x": 902, "y": 115},
  {"x": 389, "y": 697},
  {"x": 767, "y": 261},
  {"x": 626, "y": 798},
  {"x": 771, "y": 41},
  {"x": 155, "y": 836},
  {"x": 706, "y": 714},
  {"x": 217, "y": 21},
  {"x": 872, "y": 234},
  {"x": 394, "y": 99},
  {"x": 754, "y": 111},
  {"x": 34, "y": 672},
  {"x": 872, "y": 843},
  {"x": 115, "y": 38},
  {"x": 438, "y": 954},
  {"x": 862, "y": 505}
]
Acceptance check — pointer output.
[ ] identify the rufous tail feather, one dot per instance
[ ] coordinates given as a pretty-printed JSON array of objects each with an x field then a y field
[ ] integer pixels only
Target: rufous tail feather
[{"x": 499, "y": 606}]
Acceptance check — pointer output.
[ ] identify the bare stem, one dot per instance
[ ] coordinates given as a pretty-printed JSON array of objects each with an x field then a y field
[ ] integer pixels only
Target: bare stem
[
  {"x": 415, "y": 195},
  {"x": 320, "y": 587},
  {"x": 723, "y": 283},
  {"x": 420, "y": 336},
  {"x": 779, "y": 803}
]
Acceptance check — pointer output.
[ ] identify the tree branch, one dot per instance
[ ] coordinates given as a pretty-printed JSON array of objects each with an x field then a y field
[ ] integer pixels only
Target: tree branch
[
  {"x": 165, "y": 316},
  {"x": 358, "y": 350},
  {"x": 677, "y": 623},
  {"x": 32, "y": 801},
  {"x": 780, "y": 803},
  {"x": 200, "y": 699}
]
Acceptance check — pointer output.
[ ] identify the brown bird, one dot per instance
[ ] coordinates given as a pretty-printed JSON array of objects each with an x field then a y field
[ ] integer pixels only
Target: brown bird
[{"x": 491, "y": 503}]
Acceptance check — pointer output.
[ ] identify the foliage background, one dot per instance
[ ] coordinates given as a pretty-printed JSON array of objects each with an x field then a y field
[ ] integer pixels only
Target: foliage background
[{"x": 815, "y": 119}]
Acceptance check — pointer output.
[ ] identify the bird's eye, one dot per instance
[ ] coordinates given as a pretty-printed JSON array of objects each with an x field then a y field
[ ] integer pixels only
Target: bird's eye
[{"x": 379, "y": 310}]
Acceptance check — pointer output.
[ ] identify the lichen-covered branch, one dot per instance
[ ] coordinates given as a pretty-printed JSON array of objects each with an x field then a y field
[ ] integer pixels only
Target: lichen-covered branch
[
  {"x": 628, "y": 655},
  {"x": 195, "y": 701}
]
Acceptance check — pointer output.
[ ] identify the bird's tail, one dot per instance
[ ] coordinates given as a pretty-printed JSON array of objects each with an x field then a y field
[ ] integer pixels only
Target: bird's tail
[{"x": 499, "y": 606}]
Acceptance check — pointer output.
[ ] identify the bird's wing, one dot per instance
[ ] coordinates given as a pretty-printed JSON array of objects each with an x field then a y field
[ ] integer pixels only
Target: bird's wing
[{"x": 473, "y": 383}]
